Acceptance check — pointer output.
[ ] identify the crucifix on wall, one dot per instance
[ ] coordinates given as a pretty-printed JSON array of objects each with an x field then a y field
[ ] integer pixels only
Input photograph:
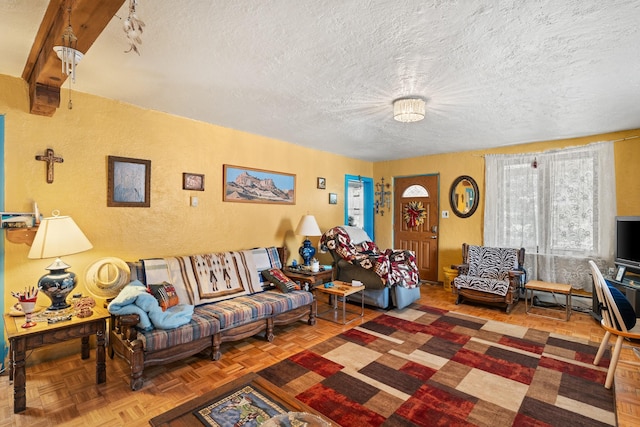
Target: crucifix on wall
[{"x": 50, "y": 158}]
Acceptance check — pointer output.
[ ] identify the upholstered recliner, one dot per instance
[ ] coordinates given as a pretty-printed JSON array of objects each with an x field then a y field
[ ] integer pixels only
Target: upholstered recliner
[
  {"x": 390, "y": 274},
  {"x": 490, "y": 275}
]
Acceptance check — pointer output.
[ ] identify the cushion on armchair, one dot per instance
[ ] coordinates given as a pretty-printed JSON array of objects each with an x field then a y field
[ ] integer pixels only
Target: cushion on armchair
[
  {"x": 492, "y": 263},
  {"x": 356, "y": 234},
  {"x": 625, "y": 308}
]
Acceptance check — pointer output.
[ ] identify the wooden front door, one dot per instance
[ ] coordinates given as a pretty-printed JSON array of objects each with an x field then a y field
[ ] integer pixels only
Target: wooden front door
[{"x": 419, "y": 192}]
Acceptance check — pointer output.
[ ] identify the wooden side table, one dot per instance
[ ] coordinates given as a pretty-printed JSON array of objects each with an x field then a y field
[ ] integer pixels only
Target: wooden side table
[
  {"x": 312, "y": 279},
  {"x": 554, "y": 288},
  {"x": 340, "y": 290},
  {"x": 22, "y": 340}
]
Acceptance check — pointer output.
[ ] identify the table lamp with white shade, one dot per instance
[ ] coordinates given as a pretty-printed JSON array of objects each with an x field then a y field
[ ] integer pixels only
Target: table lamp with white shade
[
  {"x": 307, "y": 227},
  {"x": 58, "y": 236}
]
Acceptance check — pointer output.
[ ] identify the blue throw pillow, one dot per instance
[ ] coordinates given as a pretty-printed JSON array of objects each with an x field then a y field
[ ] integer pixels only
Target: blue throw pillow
[{"x": 624, "y": 307}]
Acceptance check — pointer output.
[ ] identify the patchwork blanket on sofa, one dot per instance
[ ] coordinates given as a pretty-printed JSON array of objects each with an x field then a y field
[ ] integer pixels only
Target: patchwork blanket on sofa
[
  {"x": 394, "y": 266},
  {"x": 205, "y": 278}
]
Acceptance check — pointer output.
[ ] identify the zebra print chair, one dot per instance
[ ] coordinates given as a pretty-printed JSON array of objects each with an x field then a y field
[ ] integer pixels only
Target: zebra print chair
[{"x": 490, "y": 275}]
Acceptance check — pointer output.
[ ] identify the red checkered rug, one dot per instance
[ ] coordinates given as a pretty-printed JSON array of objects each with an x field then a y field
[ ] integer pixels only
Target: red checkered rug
[{"x": 429, "y": 367}]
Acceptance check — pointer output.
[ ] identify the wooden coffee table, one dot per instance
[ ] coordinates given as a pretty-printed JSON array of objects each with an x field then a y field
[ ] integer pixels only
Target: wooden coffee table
[
  {"x": 183, "y": 415},
  {"x": 22, "y": 340},
  {"x": 554, "y": 288},
  {"x": 340, "y": 290}
]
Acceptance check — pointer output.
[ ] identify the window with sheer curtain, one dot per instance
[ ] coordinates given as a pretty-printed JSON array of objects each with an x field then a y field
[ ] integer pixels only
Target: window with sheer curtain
[{"x": 559, "y": 205}]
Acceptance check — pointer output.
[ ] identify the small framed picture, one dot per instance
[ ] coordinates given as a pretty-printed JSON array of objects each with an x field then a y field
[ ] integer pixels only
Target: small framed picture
[
  {"x": 333, "y": 199},
  {"x": 620, "y": 273},
  {"x": 322, "y": 183},
  {"x": 192, "y": 181},
  {"x": 128, "y": 182}
]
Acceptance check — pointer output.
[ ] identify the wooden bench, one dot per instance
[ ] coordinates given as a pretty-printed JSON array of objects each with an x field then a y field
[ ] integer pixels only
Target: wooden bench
[{"x": 554, "y": 288}]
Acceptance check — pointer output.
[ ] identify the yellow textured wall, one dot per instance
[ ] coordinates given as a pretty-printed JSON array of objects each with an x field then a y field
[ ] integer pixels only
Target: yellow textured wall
[
  {"x": 97, "y": 128},
  {"x": 454, "y": 230}
]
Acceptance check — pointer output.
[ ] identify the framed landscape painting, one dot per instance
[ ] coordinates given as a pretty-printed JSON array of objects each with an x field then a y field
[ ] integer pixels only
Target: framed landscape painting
[
  {"x": 128, "y": 182},
  {"x": 248, "y": 185}
]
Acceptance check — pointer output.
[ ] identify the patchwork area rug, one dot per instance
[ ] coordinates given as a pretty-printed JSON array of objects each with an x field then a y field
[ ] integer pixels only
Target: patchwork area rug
[{"x": 429, "y": 367}]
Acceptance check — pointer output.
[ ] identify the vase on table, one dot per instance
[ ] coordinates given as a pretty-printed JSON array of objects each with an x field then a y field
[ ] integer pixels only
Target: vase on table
[{"x": 27, "y": 308}]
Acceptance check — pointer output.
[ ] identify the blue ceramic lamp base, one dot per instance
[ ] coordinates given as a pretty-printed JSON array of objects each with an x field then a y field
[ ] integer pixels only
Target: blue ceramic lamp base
[
  {"x": 57, "y": 285},
  {"x": 307, "y": 251}
]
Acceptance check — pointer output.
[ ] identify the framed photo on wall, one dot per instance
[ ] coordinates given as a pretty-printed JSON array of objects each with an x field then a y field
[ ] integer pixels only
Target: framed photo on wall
[
  {"x": 333, "y": 198},
  {"x": 248, "y": 185},
  {"x": 128, "y": 182},
  {"x": 322, "y": 183},
  {"x": 192, "y": 181}
]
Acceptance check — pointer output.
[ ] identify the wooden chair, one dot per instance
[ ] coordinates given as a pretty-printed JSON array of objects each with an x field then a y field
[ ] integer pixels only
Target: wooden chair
[
  {"x": 490, "y": 275},
  {"x": 613, "y": 322}
]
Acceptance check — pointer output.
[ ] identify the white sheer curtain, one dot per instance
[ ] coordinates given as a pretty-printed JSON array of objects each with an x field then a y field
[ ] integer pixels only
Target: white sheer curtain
[{"x": 559, "y": 205}]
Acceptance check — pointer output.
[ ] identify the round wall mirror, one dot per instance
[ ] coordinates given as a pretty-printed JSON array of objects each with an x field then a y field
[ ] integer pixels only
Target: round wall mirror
[{"x": 464, "y": 196}]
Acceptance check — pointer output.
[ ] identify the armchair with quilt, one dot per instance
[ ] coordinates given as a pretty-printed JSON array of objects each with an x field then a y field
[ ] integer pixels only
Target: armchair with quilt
[
  {"x": 390, "y": 274},
  {"x": 490, "y": 275}
]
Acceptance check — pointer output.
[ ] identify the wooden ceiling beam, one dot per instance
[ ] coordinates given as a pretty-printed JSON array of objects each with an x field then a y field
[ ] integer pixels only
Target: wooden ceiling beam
[{"x": 43, "y": 70}]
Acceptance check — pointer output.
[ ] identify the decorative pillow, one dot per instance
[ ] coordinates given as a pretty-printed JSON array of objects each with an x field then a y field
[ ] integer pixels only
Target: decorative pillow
[
  {"x": 624, "y": 307},
  {"x": 165, "y": 294},
  {"x": 278, "y": 278},
  {"x": 264, "y": 259}
]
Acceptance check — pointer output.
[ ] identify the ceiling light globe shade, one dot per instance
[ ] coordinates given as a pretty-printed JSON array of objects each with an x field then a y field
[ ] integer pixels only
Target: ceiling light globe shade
[{"x": 408, "y": 110}]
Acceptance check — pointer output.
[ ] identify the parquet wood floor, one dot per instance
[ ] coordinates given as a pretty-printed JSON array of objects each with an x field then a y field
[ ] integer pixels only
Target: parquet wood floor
[{"x": 63, "y": 391}]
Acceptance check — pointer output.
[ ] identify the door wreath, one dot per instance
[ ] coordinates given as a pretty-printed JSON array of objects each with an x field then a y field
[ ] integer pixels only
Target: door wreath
[{"x": 414, "y": 214}]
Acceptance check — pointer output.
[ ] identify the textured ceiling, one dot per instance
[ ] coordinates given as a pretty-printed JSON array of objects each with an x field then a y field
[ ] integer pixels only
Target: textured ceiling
[{"x": 324, "y": 73}]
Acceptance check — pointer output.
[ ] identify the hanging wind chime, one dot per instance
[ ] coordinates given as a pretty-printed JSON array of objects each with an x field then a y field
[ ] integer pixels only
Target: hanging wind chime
[{"x": 69, "y": 54}]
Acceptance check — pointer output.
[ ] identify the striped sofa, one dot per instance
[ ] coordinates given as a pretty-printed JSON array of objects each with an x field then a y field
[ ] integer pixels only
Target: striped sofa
[{"x": 227, "y": 315}]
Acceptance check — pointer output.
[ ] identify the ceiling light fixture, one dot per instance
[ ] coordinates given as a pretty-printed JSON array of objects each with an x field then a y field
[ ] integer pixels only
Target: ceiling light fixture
[
  {"x": 68, "y": 54},
  {"x": 408, "y": 110}
]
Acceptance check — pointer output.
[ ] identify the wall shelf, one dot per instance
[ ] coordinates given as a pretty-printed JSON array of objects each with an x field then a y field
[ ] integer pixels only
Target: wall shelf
[{"x": 21, "y": 235}]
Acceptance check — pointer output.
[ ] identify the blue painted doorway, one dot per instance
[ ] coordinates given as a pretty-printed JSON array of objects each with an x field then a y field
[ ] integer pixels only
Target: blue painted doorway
[
  {"x": 358, "y": 205},
  {"x": 3, "y": 346}
]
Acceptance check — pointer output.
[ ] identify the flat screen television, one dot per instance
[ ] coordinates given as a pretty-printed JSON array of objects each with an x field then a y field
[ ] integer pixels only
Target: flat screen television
[{"x": 628, "y": 242}]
